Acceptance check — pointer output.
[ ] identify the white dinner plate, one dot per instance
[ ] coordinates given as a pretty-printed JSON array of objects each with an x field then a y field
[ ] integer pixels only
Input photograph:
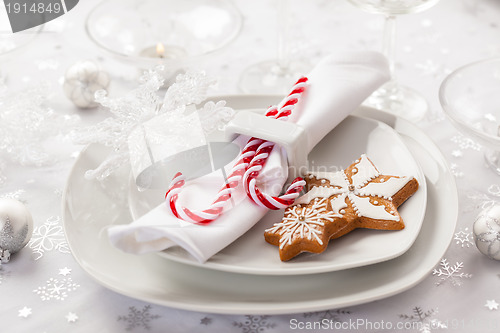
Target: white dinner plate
[
  {"x": 251, "y": 254},
  {"x": 90, "y": 206}
]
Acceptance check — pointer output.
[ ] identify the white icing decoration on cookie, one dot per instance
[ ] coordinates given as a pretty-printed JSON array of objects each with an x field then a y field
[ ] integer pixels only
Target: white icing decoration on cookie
[
  {"x": 366, "y": 172},
  {"x": 317, "y": 192},
  {"x": 364, "y": 208},
  {"x": 386, "y": 189},
  {"x": 303, "y": 222},
  {"x": 338, "y": 203},
  {"x": 335, "y": 178},
  {"x": 359, "y": 191}
]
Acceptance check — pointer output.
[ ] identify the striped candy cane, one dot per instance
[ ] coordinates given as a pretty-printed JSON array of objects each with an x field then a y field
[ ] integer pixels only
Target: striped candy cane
[
  {"x": 256, "y": 152},
  {"x": 259, "y": 160},
  {"x": 224, "y": 194}
]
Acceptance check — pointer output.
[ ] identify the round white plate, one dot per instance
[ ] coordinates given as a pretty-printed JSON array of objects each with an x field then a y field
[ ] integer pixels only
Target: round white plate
[
  {"x": 90, "y": 206},
  {"x": 356, "y": 135}
]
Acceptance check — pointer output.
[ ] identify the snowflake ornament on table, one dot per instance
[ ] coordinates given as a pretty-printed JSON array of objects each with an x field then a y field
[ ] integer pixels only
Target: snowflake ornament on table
[
  {"x": 18, "y": 195},
  {"x": 464, "y": 142},
  {"x": 424, "y": 319},
  {"x": 331, "y": 315},
  {"x": 254, "y": 324},
  {"x": 26, "y": 122},
  {"x": 139, "y": 318},
  {"x": 56, "y": 289},
  {"x": 206, "y": 321},
  {"x": 25, "y": 312},
  {"x": 480, "y": 200},
  {"x": 140, "y": 105},
  {"x": 71, "y": 317},
  {"x": 464, "y": 238},
  {"x": 450, "y": 273},
  {"x": 491, "y": 304}
]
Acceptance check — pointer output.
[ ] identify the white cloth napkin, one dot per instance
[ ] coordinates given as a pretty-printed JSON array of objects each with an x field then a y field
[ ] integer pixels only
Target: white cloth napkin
[{"x": 338, "y": 85}]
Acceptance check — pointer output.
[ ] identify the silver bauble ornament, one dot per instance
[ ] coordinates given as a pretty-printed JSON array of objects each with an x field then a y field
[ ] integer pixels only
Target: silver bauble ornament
[
  {"x": 16, "y": 227},
  {"x": 486, "y": 232},
  {"x": 82, "y": 80}
]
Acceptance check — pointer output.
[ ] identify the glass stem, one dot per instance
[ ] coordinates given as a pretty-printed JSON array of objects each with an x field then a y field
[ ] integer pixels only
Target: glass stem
[
  {"x": 283, "y": 20},
  {"x": 389, "y": 44}
]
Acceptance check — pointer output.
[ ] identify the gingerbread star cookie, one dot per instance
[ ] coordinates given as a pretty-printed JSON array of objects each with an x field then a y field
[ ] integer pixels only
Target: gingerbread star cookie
[{"x": 337, "y": 203}]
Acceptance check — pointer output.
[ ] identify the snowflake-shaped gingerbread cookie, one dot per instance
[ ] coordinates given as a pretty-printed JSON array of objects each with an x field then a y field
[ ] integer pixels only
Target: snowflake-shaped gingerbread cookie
[{"x": 357, "y": 197}]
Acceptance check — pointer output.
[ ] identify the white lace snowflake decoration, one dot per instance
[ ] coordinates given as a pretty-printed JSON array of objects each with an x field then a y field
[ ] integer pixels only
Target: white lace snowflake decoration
[
  {"x": 48, "y": 237},
  {"x": 26, "y": 122},
  {"x": 214, "y": 116},
  {"x": 141, "y": 105}
]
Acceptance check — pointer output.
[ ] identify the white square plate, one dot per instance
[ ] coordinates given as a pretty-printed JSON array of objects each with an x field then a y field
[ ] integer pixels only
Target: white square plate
[{"x": 356, "y": 135}]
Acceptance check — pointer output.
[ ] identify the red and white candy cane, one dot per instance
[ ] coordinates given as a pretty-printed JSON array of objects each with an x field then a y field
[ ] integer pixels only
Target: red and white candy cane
[
  {"x": 224, "y": 194},
  {"x": 259, "y": 160},
  {"x": 240, "y": 168}
]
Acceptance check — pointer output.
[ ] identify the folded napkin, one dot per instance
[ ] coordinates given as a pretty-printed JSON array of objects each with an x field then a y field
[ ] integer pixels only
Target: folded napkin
[{"x": 337, "y": 86}]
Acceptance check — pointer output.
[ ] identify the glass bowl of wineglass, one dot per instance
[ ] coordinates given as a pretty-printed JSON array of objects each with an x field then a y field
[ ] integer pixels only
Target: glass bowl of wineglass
[
  {"x": 275, "y": 76},
  {"x": 394, "y": 97},
  {"x": 470, "y": 97},
  {"x": 171, "y": 33}
]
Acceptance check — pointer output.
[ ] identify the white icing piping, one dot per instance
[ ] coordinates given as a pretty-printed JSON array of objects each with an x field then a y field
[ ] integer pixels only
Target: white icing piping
[
  {"x": 302, "y": 222},
  {"x": 317, "y": 192},
  {"x": 366, "y": 172}
]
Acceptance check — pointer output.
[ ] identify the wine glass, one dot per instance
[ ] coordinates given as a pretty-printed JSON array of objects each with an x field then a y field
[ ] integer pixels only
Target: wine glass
[
  {"x": 171, "y": 33},
  {"x": 393, "y": 97},
  {"x": 275, "y": 76},
  {"x": 470, "y": 98}
]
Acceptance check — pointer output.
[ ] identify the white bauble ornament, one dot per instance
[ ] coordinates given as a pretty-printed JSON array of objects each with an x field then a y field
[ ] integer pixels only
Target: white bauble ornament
[
  {"x": 82, "y": 80},
  {"x": 486, "y": 232},
  {"x": 16, "y": 227}
]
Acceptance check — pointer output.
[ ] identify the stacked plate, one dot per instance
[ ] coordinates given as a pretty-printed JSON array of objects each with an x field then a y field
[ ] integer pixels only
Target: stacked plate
[{"x": 247, "y": 277}]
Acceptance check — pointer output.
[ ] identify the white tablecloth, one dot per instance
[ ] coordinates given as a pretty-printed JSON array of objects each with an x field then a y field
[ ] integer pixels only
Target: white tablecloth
[{"x": 43, "y": 289}]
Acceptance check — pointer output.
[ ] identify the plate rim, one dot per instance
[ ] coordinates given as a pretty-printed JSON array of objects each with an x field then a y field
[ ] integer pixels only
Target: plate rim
[{"x": 286, "y": 307}]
